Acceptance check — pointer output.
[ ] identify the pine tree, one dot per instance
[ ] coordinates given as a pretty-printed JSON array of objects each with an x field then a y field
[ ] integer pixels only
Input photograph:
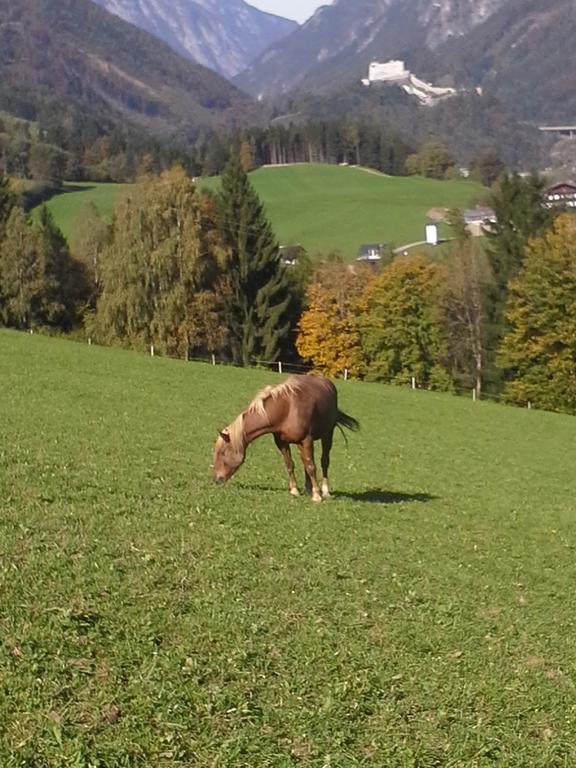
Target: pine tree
[
  {"x": 65, "y": 278},
  {"x": 539, "y": 350},
  {"x": 520, "y": 215},
  {"x": 257, "y": 286},
  {"x": 7, "y": 202}
]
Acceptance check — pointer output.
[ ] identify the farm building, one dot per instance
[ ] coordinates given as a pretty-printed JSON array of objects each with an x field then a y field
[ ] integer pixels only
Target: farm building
[
  {"x": 477, "y": 218},
  {"x": 370, "y": 253},
  {"x": 562, "y": 195}
]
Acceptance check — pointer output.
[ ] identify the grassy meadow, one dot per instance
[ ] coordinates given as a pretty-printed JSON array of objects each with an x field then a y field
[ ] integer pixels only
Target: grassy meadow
[
  {"x": 323, "y": 207},
  {"x": 424, "y": 616},
  {"x": 333, "y": 208},
  {"x": 68, "y": 207}
]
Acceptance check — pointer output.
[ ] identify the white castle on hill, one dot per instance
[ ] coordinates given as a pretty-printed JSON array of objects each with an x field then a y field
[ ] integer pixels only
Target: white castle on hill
[{"x": 395, "y": 73}]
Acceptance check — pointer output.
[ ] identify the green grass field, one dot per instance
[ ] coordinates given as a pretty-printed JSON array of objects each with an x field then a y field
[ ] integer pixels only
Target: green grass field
[
  {"x": 323, "y": 207},
  {"x": 332, "y": 208},
  {"x": 422, "y": 617},
  {"x": 69, "y": 207}
]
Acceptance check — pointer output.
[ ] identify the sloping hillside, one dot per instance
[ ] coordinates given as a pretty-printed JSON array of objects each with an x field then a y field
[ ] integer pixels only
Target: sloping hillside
[
  {"x": 59, "y": 52},
  {"x": 422, "y": 616},
  {"x": 334, "y": 48},
  {"x": 324, "y": 208},
  {"x": 225, "y": 35},
  {"x": 520, "y": 52}
]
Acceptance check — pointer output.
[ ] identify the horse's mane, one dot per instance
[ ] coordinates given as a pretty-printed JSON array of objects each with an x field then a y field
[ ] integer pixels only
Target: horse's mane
[{"x": 291, "y": 386}]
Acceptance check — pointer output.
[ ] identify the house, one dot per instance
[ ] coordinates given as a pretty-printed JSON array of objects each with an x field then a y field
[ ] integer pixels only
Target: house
[
  {"x": 289, "y": 254},
  {"x": 562, "y": 195},
  {"x": 370, "y": 253},
  {"x": 477, "y": 218}
]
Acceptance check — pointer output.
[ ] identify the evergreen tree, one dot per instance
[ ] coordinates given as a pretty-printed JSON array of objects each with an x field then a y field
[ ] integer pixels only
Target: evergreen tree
[
  {"x": 7, "y": 202},
  {"x": 520, "y": 215},
  {"x": 257, "y": 285},
  {"x": 66, "y": 281},
  {"x": 539, "y": 350}
]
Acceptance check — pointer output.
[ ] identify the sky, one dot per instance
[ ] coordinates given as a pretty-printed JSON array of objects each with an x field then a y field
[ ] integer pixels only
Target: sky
[{"x": 300, "y": 10}]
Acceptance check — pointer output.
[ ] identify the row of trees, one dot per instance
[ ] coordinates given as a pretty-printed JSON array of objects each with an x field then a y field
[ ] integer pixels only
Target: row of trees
[
  {"x": 500, "y": 318},
  {"x": 192, "y": 273},
  {"x": 179, "y": 269}
]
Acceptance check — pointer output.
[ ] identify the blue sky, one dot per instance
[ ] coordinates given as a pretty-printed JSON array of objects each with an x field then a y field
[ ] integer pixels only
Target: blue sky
[{"x": 291, "y": 9}]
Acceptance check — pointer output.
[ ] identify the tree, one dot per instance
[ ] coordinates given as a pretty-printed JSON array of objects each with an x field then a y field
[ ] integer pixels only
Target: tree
[
  {"x": 7, "y": 202},
  {"x": 24, "y": 286},
  {"x": 539, "y": 350},
  {"x": 257, "y": 288},
  {"x": 160, "y": 255},
  {"x": 486, "y": 168},
  {"x": 91, "y": 236},
  {"x": 520, "y": 214},
  {"x": 433, "y": 161},
  {"x": 66, "y": 279},
  {"x": 462, "y": 311},
  {"x": 328, "y": 332},
  {"x": 399, "y": 327}
]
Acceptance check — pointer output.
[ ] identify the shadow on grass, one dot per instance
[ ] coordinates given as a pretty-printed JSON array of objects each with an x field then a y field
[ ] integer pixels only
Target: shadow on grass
[
  {"x": 372, "y": 496},
  {"x": 379, "y": 496}
]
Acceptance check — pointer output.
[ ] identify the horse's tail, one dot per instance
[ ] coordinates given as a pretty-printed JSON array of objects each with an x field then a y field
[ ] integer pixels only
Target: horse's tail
[{"x": 343, "y": 420}]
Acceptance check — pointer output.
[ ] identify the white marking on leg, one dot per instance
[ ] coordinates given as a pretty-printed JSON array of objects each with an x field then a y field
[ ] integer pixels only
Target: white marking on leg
[
  {"x": 325, "y": 489},
  {"x": 294, "y": 491}
]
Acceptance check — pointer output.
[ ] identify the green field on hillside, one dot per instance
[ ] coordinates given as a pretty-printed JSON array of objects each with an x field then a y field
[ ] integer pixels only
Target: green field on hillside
[
  {"x": 332, "y": 208},
  {"x": 323, "y": 207},
  {"x": 424, "y": 616},
  {"x": 69, "y": 206}
]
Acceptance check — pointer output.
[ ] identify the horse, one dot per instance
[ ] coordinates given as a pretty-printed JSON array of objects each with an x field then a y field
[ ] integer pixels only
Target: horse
[{"x": 300, "y": 410}]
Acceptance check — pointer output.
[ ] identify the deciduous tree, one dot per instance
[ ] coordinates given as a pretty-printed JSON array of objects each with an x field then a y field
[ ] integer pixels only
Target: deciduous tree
[
  {"x": 400, "y": 327},
  {"x": 328, "y": 332},
  {"x": 539, "y": 350},
  {"x": 160, "y": 255}
]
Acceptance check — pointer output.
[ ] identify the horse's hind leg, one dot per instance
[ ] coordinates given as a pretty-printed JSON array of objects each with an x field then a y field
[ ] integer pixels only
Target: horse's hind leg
[
  {"x": 326, "y": 447},
  {"x": 307, "y": 454},
  {"x": 284, "y": 449}
]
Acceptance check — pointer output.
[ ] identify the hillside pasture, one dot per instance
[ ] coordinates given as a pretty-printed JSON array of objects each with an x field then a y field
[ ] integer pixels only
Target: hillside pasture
[
  {"x": 69, "y": 206},
  {"x": 325, "y": 208},
  {"x": 423, "y": 616},
  {"x": 329, "y": 208}
]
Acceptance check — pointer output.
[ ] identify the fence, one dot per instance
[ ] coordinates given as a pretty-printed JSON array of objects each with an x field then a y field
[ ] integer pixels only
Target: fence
[{"x": 292, "y": 367}]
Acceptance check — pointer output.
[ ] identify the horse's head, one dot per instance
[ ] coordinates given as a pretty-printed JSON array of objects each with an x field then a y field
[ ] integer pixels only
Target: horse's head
[{"x": 227, "y": 457}]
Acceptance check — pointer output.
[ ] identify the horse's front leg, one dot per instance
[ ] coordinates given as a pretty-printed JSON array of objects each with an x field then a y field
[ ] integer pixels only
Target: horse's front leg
[
  {"x": 284, "y": 449},
  {"x": 306, "y": 448}
]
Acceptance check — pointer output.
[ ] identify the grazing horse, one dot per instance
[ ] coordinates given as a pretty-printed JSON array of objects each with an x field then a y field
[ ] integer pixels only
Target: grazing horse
[{"x": 300, "y": 410}]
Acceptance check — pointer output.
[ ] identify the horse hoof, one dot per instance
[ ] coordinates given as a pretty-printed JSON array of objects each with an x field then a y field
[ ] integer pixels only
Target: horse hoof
[
  {"x": 316, "y": 498},
  {"x": 294, "y": 492}
]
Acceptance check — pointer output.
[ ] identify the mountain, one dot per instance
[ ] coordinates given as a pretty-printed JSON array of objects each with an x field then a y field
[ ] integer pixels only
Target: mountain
[
  {"x": 520, "y": 52},
  {"x": 225, "y": 35},
  {"x": 58, "y": 53},
  {"x": 524, "y": 56},
  {"x": 336, "y": 45}
]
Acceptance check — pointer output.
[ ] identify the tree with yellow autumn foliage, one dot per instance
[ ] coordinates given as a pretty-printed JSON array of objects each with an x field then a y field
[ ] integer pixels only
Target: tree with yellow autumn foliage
[
  {"x": 539, "y": 350},
  {"x": 400, "y": 329},
  {"x": 328, "y": 329}
]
